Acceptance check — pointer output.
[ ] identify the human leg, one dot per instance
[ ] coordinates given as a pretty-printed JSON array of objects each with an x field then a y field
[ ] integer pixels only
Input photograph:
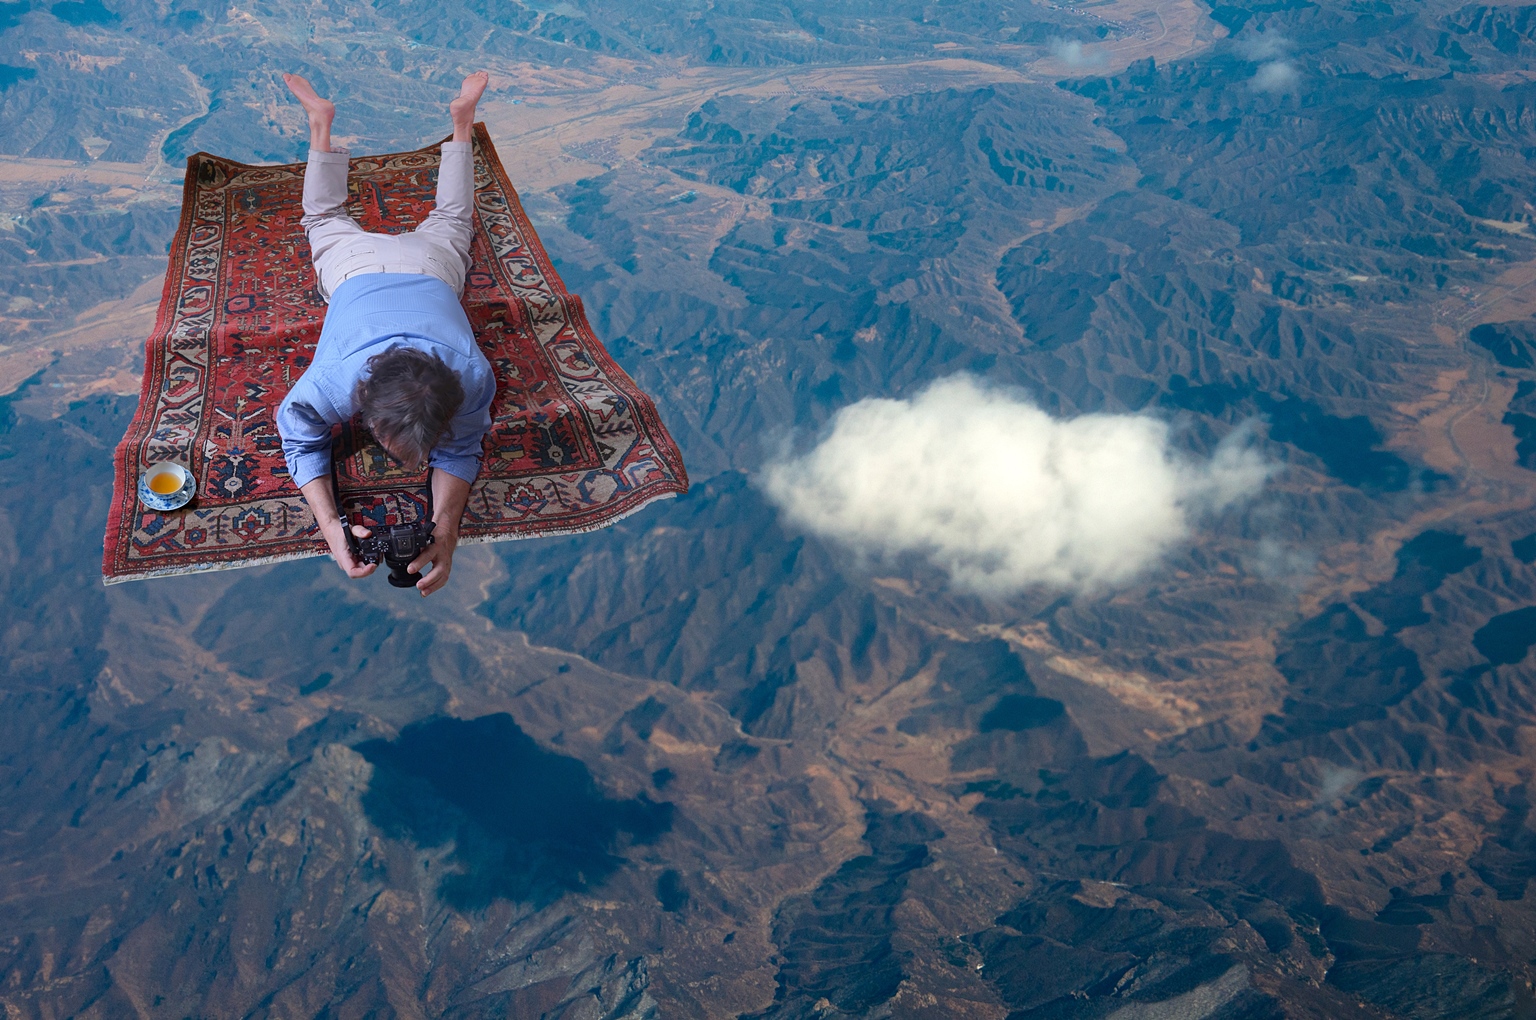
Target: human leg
[
  {"x": 321, "y": 111},
  {"x": 462, "y": 110},
  {"x": 451, "y": 222},
  {"x": 325, "y": 187},
  {"x": 325, "y": 176},
  {"x": 336, "y": 242},
  {"x": 450, "y": 226},
  {"x": 335, "y": 239}
]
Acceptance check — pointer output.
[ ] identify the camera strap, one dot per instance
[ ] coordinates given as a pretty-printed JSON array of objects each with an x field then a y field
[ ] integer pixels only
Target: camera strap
[{"x": 341, "y": 511}]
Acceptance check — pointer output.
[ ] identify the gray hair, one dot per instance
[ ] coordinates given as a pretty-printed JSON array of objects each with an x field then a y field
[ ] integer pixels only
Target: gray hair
[{"x": 407, "y": 399}]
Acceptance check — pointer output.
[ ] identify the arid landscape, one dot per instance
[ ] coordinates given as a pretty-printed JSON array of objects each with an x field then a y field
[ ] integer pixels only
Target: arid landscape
[{"x": 712, "y": 761}]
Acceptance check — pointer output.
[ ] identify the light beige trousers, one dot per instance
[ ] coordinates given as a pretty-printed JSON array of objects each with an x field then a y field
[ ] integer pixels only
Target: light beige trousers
[{"x": 438, "y": 247}]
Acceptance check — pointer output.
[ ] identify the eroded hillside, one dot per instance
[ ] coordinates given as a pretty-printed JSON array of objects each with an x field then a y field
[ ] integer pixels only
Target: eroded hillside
[{"x": 702, "y": 763}]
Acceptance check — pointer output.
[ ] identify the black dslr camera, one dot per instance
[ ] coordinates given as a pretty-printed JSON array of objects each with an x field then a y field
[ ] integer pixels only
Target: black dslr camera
[{"x": 395, "y": 545}]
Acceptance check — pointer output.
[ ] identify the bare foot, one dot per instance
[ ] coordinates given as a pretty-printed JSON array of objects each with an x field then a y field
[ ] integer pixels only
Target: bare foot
[
  {"x": 321, "y": 111},
  {"x": 304, "y": 92},
  {"x": 462, "y": 109}
]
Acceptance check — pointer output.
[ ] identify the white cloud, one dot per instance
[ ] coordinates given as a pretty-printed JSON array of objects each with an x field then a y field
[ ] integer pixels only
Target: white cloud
[
  {"x": 1274, "y": 560},
  {"x": 1336, "y": 782},
  {"x": 1264, "y": 46},
  {"x": 1275, "y": 76},
  {"x": 1075, "y": 54},
  {"x": 1002, "y": 495}
]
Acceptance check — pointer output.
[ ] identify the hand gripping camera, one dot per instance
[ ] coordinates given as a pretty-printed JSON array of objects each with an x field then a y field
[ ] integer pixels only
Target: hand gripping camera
[{"x": 395, "y": 545}]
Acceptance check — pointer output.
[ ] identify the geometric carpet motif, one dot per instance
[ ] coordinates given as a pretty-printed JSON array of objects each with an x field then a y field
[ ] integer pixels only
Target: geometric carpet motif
[{"x": 574, "y": 444}]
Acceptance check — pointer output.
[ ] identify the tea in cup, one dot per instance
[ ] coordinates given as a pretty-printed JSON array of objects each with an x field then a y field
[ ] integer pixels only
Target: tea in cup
[
  {"x": 164, "y": 486},
  {"x": 164, "y": 482}
]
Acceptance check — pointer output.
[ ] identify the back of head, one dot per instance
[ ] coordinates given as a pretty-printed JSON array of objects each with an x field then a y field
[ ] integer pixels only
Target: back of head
[{"x": 407, "y": 398}]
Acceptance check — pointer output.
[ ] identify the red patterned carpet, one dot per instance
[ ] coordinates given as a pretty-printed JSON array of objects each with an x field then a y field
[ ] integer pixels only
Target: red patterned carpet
[{"x": 574, "y": 444}]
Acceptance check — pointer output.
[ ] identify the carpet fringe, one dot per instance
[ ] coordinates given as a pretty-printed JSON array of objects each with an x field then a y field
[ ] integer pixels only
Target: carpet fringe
[{"x": 205, "y": 568}]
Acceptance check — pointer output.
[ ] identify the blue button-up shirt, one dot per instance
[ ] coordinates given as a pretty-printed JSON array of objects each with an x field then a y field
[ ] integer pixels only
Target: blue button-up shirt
[{"x": 368, "y": 315}]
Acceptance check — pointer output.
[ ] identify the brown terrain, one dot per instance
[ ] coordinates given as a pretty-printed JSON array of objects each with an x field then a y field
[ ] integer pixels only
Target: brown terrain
[{"x": 701, "y": 764}]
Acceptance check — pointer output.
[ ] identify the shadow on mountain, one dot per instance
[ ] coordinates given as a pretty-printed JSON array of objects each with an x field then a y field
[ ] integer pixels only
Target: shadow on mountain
[
  {"x": 527, "y": 824},
  {"x": 1521, "y": 419},
  {"x": 970, "y": 675},
  {"x": 1341, "y": 669},
  {"x": 1428, "y": 985},
  {"x": 1507, "y": 861},
  {"x": 1348, "y": 447},
  {"x": 1102, "y": 936},
  {"x": 1056, "y": 952},
  {"x": 1507, "y": 638},
  {"x": 1017, "y": 712},
  {"x": 1340, "y": 674},
  {"x": 1422, "y": 564},
  {"x": 836, "y": 945},
  {"x": 1511, "y": 343}
]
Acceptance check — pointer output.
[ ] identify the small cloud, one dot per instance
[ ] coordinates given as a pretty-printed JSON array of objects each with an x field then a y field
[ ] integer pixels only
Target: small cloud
[
  {"x": 1277, "y": 76},
  {"x": 1000, "y": 494},
  {"x": 1264, "y": 46},
  {"x": 1269, "y": 50},
  {"x": 1335, "y": 783},
  {"x": 1075, "y": 54},
  {"x": 1274, "y": 560}
]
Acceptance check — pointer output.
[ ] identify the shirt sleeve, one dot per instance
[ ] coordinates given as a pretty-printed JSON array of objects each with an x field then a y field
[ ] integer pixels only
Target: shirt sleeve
[
  {"x": 459, "y": 455},
  {"x": 306, "y": 439}
]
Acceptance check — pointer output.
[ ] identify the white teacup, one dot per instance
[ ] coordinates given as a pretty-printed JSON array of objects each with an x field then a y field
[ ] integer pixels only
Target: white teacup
[{"x": 165, "y": 486}]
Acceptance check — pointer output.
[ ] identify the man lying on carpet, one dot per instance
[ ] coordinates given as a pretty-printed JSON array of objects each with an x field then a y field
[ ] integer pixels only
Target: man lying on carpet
[{"x": 397, "y": 349}]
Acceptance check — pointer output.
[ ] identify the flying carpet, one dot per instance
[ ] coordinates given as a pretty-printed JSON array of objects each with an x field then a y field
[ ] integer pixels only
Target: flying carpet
[{"x": 574, "y": 444}]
